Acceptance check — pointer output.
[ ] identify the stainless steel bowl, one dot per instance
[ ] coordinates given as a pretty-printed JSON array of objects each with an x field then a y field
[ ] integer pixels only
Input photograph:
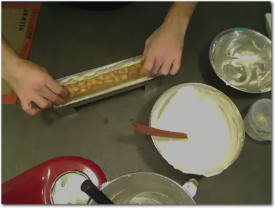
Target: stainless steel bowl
[
  {"x": 242, "y": 59},
  {"x": 149, "y": 189}
]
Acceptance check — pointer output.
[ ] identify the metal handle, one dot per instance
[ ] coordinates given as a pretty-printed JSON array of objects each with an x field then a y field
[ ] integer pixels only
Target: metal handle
[{"x": 191, "y": 187}]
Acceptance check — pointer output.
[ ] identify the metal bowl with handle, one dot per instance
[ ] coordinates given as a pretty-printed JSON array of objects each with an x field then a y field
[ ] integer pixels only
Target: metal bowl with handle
[{"x": 147, "y": 188}]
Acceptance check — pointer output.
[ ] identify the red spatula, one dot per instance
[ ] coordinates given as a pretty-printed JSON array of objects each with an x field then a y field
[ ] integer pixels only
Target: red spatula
[{"x": 157, "y": 132}]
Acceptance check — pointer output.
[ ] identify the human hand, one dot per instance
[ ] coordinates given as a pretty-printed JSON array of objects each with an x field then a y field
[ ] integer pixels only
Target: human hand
[
  {"x": 163, "y": 51},
  {"x": 32, "y": 84}
]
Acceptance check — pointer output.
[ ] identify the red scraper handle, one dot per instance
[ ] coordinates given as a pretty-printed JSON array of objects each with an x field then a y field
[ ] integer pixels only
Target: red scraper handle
[{"x": 157, "y": 132}]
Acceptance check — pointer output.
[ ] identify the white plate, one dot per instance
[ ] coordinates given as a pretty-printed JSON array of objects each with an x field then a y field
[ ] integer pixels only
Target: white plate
[{"x": 213, "y": 123}]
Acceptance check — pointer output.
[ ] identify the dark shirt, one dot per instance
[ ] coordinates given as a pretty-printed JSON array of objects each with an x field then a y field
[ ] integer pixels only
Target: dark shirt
[{"x": 98, "y": 6}]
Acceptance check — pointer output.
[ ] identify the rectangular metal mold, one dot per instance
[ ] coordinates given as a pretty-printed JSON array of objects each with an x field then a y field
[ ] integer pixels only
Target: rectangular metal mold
[{"x": 94, "y": 96}]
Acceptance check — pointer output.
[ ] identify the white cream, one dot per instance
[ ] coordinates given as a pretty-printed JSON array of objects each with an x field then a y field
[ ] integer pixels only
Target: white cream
[
  {"x": 98, "y": 71},
  {"x": 197, "y": 112}
]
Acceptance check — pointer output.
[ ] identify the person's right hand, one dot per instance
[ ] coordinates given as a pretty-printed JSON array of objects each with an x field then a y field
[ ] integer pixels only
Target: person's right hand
[
  {"x": 32, "y": 84},
  {"x": 163, "y": 51}
]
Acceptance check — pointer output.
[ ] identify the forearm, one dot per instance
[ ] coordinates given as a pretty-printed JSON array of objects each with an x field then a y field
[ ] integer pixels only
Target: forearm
[
  {"x": 179, "y": 15},
  {"x": 9, "y": 59}
]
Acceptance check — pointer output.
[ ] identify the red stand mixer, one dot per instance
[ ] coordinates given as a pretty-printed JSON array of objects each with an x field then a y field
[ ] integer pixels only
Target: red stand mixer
[{"x": 56, "y": 181}]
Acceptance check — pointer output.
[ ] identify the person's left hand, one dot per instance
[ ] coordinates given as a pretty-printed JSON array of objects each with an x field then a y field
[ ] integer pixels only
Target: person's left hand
[{"x": 163, "y": 51}]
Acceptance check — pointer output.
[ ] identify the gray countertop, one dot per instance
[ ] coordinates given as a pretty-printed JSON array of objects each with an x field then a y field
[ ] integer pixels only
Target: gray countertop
[{"x": 68, "y": 40}]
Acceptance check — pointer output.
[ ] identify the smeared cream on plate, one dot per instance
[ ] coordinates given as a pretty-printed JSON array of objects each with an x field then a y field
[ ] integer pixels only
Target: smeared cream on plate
[{"x": 202, "y": 114}]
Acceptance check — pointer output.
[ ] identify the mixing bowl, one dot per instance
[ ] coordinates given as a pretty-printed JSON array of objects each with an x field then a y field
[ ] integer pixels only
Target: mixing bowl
[
  {"x": 242, "y": 59},
  {"x": 149, "y": 189}
]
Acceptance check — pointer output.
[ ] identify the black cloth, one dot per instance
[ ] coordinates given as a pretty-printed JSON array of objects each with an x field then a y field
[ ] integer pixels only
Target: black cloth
[{"x": 98, "y": 5}]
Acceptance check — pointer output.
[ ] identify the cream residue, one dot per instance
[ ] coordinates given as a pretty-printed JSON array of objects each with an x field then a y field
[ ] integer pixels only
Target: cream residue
[
  {"x": 98, "y": 71},
  {"x": 201, "y": 114}
]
